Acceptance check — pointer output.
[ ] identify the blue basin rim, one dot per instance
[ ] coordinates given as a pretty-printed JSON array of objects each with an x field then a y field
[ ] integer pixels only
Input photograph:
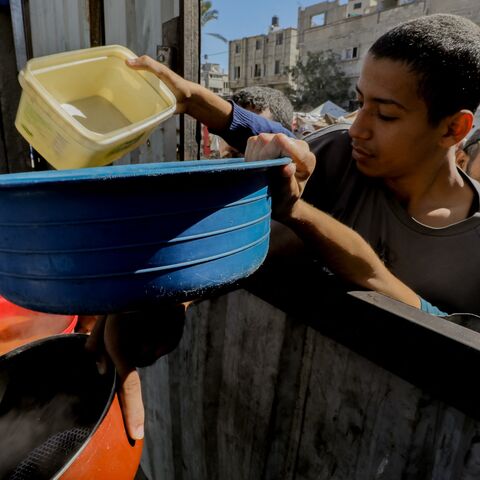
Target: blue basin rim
[{"x": 138, "y": 170}]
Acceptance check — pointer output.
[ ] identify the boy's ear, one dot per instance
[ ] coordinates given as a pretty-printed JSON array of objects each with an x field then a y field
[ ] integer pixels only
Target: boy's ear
[{"x": 457, "y": 127}]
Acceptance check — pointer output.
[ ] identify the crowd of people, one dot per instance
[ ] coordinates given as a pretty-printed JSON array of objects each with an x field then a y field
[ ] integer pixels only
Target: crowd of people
[{"x": 381, "y": 202}]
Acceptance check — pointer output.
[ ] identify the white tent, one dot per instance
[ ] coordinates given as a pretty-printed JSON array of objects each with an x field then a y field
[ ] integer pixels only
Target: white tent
[{"x": 329, "y": 108}]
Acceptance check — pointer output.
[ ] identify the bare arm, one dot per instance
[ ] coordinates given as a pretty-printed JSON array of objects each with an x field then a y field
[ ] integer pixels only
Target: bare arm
[{"x": 346, "y": 253}]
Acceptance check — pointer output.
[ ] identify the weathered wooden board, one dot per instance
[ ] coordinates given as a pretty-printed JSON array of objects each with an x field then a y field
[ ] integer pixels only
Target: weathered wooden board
[{"x": 254, "y": 394}]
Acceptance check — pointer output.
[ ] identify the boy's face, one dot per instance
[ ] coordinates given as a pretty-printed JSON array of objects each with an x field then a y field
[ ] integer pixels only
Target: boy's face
[{"x": 391, "y": 135}]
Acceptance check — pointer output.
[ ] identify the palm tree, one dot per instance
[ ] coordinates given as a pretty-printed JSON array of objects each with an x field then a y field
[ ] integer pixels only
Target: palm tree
[{"x": 207, "y": 13}]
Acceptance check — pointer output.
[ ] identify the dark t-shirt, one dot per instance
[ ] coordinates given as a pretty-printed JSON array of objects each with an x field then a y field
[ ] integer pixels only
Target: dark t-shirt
[{"x": 441, "y": 265}]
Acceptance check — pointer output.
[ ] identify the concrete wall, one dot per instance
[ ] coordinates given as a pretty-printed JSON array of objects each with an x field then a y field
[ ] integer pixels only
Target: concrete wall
[
  {"x": 266, "y": 56},
  {"x": 362, "y": 31},
  {"x": 359, "y": 32},
  {"x": 333, "y": 13},
  {"x": 361, "y": 7},
  {"x": 467, "y": 8},
  {"x": 213, "y": 78}
]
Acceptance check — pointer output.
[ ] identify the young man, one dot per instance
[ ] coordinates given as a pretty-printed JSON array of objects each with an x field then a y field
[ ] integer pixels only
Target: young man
[{"x": 391, "y": 176}]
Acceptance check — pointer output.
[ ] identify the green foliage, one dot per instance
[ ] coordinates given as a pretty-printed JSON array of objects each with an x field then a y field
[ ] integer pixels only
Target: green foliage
[
  {"x": 207, "y": 13},
  {"x": 319, "y": 79},
  {"x": 218, "y": 37}
]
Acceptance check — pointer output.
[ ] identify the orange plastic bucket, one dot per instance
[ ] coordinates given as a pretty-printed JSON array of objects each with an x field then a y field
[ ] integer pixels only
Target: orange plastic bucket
[
  {"x": 59, "y": 418},
  {"x": 19, "y": 325}
]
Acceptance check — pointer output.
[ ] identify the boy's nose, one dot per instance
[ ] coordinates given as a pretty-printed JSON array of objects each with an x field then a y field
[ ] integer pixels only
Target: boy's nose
[{"x": 361, "y": 127}]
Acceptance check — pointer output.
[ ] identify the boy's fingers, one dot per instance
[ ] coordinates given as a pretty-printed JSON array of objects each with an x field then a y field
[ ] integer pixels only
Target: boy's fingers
[
  {"x": 302, "y": 157},
  {"x": 262, "y": 147},
  {"x": 144, "y": 62},
  {"x": 130, "y": 392},
  {"x": 130, "y": 395},
  {"x": 178, "y": 85}
]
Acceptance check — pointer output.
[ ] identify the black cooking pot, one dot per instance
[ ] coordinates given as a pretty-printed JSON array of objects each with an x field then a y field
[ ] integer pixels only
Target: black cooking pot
[{"x": 59, "y": 418}]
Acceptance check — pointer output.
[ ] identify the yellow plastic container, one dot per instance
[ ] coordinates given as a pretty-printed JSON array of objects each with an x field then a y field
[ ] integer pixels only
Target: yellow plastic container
[{"x": 86, "y": 108}]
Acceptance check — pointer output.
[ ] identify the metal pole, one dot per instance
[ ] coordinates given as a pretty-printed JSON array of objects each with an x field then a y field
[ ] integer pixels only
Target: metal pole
[{"x": 22, "y": 53}]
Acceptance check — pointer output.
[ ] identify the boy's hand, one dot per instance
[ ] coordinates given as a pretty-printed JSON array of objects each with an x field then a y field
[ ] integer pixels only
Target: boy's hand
[
  {"x": 193, "y": 99},
  {"x": 289, "y": 187},
  {"x": 133, "y": 340},
  {"x": 181, "y": 88}
]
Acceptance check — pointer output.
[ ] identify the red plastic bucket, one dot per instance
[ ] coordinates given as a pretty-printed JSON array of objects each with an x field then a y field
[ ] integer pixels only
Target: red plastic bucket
[{"x": 19, "y": 325}]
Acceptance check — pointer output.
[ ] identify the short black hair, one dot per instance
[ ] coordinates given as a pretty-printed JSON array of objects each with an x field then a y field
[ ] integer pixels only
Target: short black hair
[
  {"x": 444, "y": 51},
  {"x": 261, "y": 98}
]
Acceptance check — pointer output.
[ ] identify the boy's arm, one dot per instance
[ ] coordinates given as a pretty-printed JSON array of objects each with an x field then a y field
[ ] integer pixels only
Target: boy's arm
[
  {"x": 346, "y": 253},
  {"x": 233, "y": 123}
]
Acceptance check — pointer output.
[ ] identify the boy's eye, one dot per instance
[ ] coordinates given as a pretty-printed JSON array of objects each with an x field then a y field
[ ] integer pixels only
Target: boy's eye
[{"x": 386, "y": 118}]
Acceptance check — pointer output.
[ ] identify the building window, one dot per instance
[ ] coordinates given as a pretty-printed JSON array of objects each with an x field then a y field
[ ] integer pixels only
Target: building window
[
  {"x": 258, "y": 70},
  {"x": 237, "y": 48},
  {"x": 236, "y": 73},
  {"x": 258, "y": 44},
  {"x": 279, "y": 39},
  {"x": 358, "y": 5},
  {"x": 350, "y": 53},
  {"x": 317, "y": 20},
  {"x": 277, "y": 67}
]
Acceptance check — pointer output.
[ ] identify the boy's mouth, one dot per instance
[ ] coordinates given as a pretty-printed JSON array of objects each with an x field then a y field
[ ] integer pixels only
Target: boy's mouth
[{"x": 360, "y": 154}]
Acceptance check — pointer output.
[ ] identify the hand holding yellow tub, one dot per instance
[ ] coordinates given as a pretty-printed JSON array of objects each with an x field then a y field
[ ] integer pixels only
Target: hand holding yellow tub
[{"x": 86, "y": 108}]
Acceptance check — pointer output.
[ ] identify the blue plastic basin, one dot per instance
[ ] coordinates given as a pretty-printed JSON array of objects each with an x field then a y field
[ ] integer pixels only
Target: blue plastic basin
[{"x": 123, "y": 238}]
